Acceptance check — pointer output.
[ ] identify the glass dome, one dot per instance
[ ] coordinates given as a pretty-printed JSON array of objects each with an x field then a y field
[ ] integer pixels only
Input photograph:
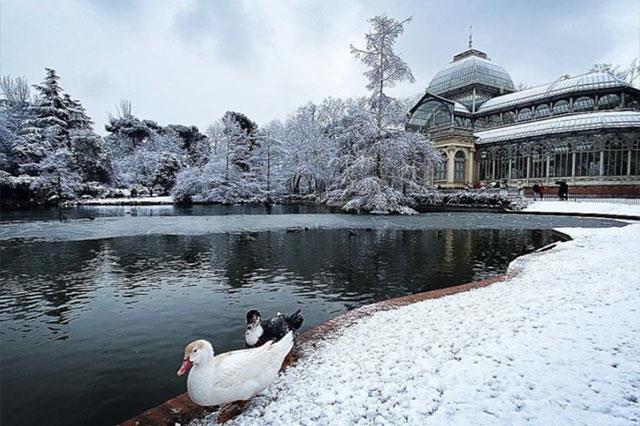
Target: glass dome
[{"x": 471, "y": 67}]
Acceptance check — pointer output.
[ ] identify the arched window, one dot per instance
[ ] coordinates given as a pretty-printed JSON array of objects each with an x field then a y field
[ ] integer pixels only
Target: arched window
[
  {"x": 508, "y": 117},
  {"x": 502, "y": 164},
  {"x": 485, "y": 171},
  {"x": 430, "y": 114},
  {"x": 441, "y": 168},
  {"x": 518, "y": 164},
  {"x": 542, "y": 111},
  {"x": 615, "y": 158},
  {"x": 587, "y": 159},
  {"x": 524, "y": 114},
  {"x": 459, "y": 166},
  {"x": 560, "y": 107},
  {"x": 538, "y": 162},
  {"x": 583, "y": 104},
  {"x": 560, "y": 160},
  {"x": 481, "y": 123},
  {"x": 494, "y": 120},
  {"x": 609, "y": 101}
]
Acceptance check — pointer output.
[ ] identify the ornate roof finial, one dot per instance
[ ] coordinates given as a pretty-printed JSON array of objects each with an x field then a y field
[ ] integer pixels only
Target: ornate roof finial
[{"x": 470, "y": 37}]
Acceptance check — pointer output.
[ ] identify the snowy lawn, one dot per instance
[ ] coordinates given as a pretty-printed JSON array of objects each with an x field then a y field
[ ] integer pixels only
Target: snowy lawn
[
  {"x": 617, "y": 208},
  {"x": 557, "y": 344}
]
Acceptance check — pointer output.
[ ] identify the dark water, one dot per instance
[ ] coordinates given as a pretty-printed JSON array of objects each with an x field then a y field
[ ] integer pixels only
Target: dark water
[
  {"x": 93, "y": 329},
  {"x": 86, "y": 211}
]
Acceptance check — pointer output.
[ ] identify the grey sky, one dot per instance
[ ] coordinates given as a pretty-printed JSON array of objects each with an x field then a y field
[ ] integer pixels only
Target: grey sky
[{"x": 188, "y": 61}]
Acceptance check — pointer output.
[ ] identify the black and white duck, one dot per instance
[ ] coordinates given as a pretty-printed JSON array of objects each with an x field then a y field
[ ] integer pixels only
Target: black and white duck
[{"x": 259, "y": 331}]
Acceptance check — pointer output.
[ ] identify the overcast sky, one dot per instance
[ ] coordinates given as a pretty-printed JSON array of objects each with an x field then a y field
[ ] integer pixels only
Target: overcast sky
[{"x": 189, "y": 61}]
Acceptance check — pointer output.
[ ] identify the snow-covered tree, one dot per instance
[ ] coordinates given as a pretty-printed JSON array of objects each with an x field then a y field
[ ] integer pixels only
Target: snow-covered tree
[
  {"x": 90, "y": 156},
  {"x": 629, "y": 73},
  {"x": 49, "y": 115},
  {"x": 57, "y": 178},
  {"x": 386, "y": 68},
  {"x": 381, "y": 161},
  {"x": 194, "y": 144},
  {"x": 166, "y": 170},
  {"x": 269, "y": 156},
  {"x": 78, "y": 118},
  {"x": 14, "y": 113},
  {"x": 309, "y": 150}
]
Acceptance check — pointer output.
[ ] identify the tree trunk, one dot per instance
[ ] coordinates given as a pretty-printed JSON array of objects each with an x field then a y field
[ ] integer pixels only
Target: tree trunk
[{"x": 268, "y": 168}]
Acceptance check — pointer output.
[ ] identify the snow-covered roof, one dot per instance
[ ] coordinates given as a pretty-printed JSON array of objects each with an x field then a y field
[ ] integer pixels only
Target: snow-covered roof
[
  {"x": 458, "y": 107},
  {"x": 589, "y": 81},
  {"x": 567, "y": 123}
]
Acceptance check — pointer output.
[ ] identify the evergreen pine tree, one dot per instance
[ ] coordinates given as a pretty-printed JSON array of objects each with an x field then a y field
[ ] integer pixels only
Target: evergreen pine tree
[
  {"x": 78, "y": 118},
  {"x": 49, "y": 125}
]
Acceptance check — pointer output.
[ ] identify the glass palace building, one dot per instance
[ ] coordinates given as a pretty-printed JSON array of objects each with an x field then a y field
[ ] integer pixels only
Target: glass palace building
[{"x": 584, "y": 130}]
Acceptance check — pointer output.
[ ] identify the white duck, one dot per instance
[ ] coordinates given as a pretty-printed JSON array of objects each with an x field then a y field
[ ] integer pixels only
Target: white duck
[{"x": 232, "y": 376}]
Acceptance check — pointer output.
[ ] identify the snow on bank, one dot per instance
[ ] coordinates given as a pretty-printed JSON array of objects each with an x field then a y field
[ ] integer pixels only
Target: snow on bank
[
  {"x": 557, "y": 344},
  {"x": 611, "y": 208},
  {"x": 137, "y": 201}
]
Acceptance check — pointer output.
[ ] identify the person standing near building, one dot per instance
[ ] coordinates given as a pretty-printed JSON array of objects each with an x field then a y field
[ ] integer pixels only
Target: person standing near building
[
  {"x": 536, "y": 191},
  {"x": 541, "y": 191},
  {"x": 563, "y": 191}
]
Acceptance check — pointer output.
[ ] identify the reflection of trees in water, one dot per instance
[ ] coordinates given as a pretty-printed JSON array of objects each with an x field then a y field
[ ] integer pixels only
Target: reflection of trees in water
[
  {"x": 52, "y": 278},
  {"x": 47, "y": 278}
]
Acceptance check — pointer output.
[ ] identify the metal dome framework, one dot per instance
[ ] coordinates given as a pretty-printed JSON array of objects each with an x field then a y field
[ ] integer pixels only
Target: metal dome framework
[{"x": 471, "y": 79}]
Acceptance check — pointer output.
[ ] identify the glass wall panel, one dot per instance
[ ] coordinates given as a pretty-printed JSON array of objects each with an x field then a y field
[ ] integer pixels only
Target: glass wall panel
[
  {"x": 538, "y": 162},
  {"x": 508, "y": 117},
  {"x": 494, "y": 120},
  {"x": 502, "y": 164},
  {"x": 524, "y": 114},
  {"x": 560, "y": 158},
  {"x": 542, "y": 111},
  {"x": 561, "y": 107},
  {"x": 485, "y": 166},
  {"x": 615, "y": 159},
  {"x": 583, "y": 104},
  {"x": 518, "y": 164},
  {"x": 441, "y": 168},
  {"x": 609, "y": 101},
  {"x": 431, "y": 114},
  {"x": 587, "y": 159},
  {"x": 635, "y": 157}
]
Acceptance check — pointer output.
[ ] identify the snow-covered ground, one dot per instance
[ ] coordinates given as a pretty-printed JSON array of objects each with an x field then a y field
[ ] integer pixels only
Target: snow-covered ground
[
  {"x": 619, "y": 207},
  {"x": 126, "y": 201},
  {"x": 559, "y": 343}
]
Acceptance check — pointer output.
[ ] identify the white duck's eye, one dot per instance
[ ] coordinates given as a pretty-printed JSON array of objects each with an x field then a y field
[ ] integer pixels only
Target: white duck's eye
[{"x": 195, "y": 350}]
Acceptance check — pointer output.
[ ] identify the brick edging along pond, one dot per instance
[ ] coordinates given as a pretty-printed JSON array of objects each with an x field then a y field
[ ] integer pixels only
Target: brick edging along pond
[{"x": 181, "y": 410}]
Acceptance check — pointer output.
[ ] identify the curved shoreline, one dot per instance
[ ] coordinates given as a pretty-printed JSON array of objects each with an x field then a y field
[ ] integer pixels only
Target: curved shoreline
[{"x": 181, "y": 410}]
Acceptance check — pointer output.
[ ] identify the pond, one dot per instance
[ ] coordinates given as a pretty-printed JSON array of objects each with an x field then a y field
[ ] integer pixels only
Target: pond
[{"x": 95, "y": 314}]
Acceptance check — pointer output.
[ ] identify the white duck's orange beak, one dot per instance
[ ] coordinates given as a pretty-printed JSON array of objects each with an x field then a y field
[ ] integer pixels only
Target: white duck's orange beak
[{"x": 186, "y": 365}]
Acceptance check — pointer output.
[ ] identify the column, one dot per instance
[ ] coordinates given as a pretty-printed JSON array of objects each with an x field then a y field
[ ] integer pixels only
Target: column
[
  {"x": 546, "y": 174},
  {"x": 450, "y": 167},
  {"x": 602, "y": 162},
  {"x": 573, "y": 167}
]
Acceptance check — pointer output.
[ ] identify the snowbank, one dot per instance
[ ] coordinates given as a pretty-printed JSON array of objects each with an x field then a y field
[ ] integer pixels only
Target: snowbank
[
  {"x": 138, "y": 201},
  {"x": 557, "y": 344},
  {"x": 619, "y": 207}
]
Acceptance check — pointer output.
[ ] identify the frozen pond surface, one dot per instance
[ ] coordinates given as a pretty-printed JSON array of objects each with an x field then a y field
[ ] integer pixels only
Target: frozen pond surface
[
  {"x": 94, "y": 314},
  {"x": 112, "y": 227}
]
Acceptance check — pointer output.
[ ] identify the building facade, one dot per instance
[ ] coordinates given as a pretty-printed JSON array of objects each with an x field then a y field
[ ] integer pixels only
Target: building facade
[{"x": 584, "y": 130}]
